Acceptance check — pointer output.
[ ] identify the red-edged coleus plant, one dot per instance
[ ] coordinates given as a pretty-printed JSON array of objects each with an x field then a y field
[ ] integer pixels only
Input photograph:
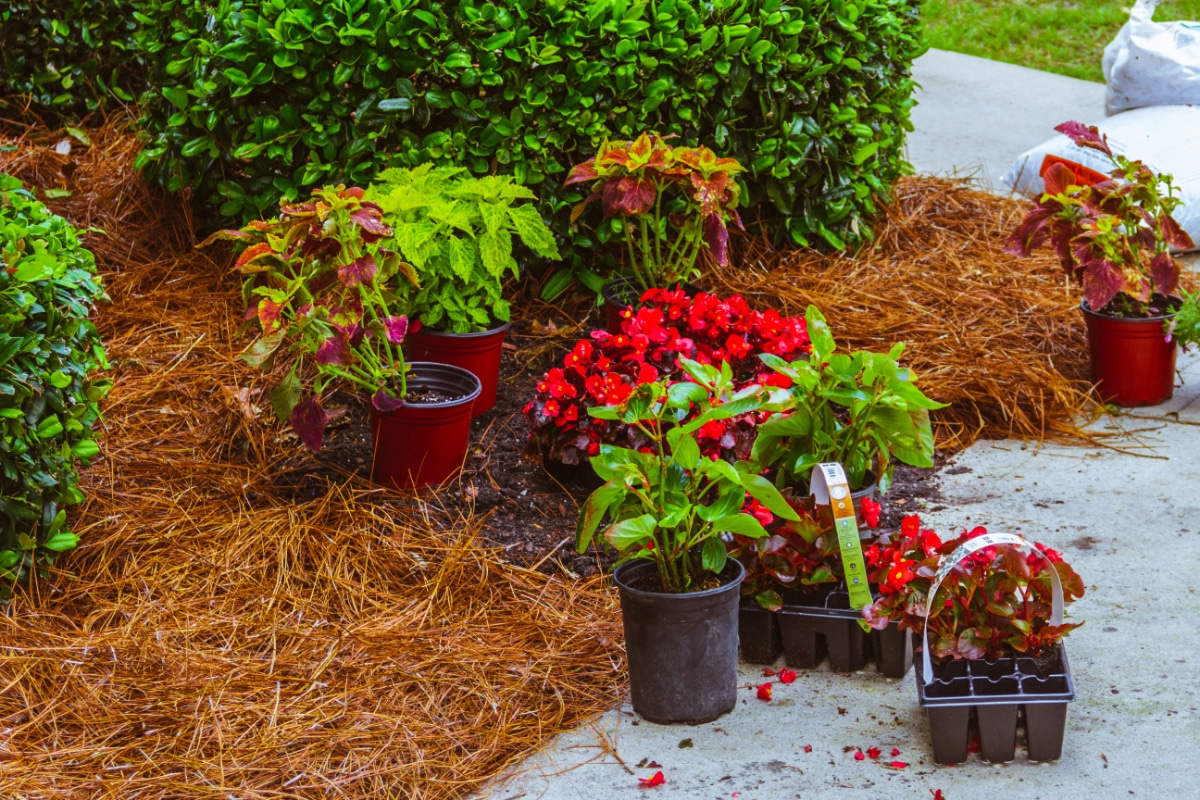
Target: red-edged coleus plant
[
  {"x": 669, "y": 325},
  {"x": 674, "y": 201},
  {"x": 1113, "y": 236},
  {"x": 322, "y": 292},
  {"x": 995, "y": 602},
  {"x": 795, "y": 555}
]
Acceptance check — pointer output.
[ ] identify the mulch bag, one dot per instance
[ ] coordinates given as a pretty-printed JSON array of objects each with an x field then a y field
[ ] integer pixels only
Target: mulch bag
[
  {"x": 1152, "y": 63},
  {"x": 1163, "y": 137}
]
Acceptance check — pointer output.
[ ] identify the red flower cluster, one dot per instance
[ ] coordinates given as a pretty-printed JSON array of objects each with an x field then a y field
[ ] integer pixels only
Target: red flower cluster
[{"x": 669, "y": 324}]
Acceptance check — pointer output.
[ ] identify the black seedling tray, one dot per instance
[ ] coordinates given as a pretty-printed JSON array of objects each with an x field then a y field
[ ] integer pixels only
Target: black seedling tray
[
  {"x": 998, "y": 692},
  {"x": 810, "y": 628}
]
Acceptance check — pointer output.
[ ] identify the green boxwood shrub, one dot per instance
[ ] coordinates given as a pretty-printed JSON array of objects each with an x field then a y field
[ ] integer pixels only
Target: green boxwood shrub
[
  {"x": 69, "y": 56},
  {"x": 255, "y": 99},
  {"x": 48, "y": 397}
]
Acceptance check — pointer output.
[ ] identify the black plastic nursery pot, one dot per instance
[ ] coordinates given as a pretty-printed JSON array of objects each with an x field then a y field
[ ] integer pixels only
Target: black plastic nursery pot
[
  {"x": 479, "y": 353},
  {"x": 682, "y": 648},
  {"x": 998, "y": 694},
  {"x": 422, "y": 444},
  {"x": 809, "y": 629}
]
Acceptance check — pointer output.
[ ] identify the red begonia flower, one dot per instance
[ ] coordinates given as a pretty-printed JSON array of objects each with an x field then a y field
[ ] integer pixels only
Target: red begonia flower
[
  {"x": 787, "y": 675},
  {"x": 656, "y": 779},
  {"x": 764, "y": 691}
]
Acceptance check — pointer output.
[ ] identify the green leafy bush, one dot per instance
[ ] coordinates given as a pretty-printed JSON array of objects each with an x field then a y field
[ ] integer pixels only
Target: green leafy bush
[
  {"x": 48, "y": 398},
  {"x": 69, "y": 56},
  {"x": 254, "y": 100},
  {"x": 458, "y": 234}
]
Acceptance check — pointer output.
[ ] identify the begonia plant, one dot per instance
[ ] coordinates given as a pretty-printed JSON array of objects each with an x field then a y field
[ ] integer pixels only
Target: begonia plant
[
  {"x": 669, "y": 325},
  {"x": 668, "y": 502},
  {"x": 860, "y": 409},
  {"x": 324, "y": 294},
  {"x": 995, "y": 602},
  {"x": 638, "y": 182},
  {"x": 1113, "y": 236}
]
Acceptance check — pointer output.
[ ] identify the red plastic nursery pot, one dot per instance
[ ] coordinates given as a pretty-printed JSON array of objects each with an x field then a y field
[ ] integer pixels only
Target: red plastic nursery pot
[
  {"x": 1133, "y": 364},
  {"x": 477, "y": 352},
  {"x": 424, "y": 443}
]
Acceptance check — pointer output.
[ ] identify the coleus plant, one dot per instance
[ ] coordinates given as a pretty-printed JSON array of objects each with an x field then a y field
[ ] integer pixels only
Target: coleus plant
[
  {"x": 668, "y": 502},
  {"x": 795, "y": 555},
  {"x": 860, "y": 409},
  {"x": 458, "y": 233},
  {"x": 668, "y": 326},
  {"x": 324, "y": 294},
  {"x": 640, "y": 181},
  {"x": 995, "y": 602},
  {"x": 1113, "y": 236}
]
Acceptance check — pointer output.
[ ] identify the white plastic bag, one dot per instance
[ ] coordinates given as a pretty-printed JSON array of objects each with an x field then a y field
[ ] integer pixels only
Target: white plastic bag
[
  {"x": 1152, "y": 63},
  {"x": 1164, "y": 138}
]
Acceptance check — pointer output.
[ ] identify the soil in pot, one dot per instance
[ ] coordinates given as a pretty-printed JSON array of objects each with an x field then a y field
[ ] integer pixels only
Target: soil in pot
[
  {"x": 424, "y": 441},
  {"x": 1133, "y": 364},
  {"x": 682, "y": 648},
  {"x": 477, "y": 352}
]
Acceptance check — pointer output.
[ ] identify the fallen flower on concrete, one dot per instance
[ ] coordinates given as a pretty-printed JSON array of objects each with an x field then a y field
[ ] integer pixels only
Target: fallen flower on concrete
[{"x": 656, "y": 779}]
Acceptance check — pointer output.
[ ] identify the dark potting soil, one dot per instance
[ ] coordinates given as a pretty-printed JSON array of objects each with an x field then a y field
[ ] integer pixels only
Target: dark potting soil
[
  {"x": 527, "y": 513},
  {"x": 432, "y": 396}
]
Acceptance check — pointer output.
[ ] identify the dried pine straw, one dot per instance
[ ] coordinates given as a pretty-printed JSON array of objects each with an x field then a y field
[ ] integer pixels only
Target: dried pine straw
[
  {"x": 212, "y": 636},
  {"x": 1000, "y": 338}
]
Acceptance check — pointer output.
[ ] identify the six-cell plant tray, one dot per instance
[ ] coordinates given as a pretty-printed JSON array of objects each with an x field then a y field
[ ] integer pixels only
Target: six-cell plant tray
[
  {"x": 810, "y": 628},
  {"x": 998, "y": 694}
]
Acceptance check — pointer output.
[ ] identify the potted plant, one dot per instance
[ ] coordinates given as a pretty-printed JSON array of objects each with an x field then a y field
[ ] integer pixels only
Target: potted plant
[
  {"x": 861, "y": 410},
  {"x": 604, "y": 370},
  {"x": 458, "y": 233},
  {"x": 664, "y": 507},
  {"x": 989, "y": 611},
  {"x": 1114, "y": 238},
  {"x": 670, "y": 204},
  {"x": 327, "y": 298}
]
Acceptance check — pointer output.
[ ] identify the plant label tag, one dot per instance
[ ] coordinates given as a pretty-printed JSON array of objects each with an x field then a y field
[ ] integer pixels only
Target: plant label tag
[
  {"x": 830, "y": 487},
  {"x": 966, "y": 549}
]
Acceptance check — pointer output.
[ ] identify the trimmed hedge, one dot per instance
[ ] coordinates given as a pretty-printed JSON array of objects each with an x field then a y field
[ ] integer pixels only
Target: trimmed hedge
[
  {"x": 262, "y": 98},
  {"x": 69, "y": 56},
  {"x": 48, "y": 397}
]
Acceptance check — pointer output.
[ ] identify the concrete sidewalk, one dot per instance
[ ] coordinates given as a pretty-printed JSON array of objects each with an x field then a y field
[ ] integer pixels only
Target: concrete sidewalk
[{"x": 1125, "y": 513}]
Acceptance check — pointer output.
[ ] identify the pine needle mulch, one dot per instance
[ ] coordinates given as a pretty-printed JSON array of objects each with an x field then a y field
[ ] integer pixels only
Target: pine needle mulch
[
  {"x": 998, "y": 337},
  {"x": 213, "y": 636}
]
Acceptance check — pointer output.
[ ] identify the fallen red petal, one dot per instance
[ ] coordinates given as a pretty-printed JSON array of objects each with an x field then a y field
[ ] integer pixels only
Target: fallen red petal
[
  {"x": 787, "y": 675},
  {"x": 937, "y": 795},
  {"x": 895, "y": 751},
  {"x": 897, "y": 764},
  {"x": 874, "y": 752},
  {"x": 808, "y": 748},
  {"x": 764, "y": 691},
  {"x": 768, "y": 672},
  {"x": 656, "y": 779},
  {"x": 859, "y": 756}
]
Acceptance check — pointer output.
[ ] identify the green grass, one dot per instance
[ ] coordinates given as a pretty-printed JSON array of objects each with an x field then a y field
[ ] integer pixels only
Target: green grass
[{"x": 1052, "y": 35}]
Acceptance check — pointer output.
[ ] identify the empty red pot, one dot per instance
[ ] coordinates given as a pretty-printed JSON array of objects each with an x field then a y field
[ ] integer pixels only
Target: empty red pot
[
  {"x": 477, "y": 352},
  {"x": 421, "y": 444},
  {"x": 1133, "y": 363}
]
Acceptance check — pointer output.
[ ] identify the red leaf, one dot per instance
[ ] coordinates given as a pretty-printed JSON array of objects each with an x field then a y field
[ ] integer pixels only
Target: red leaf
[
  {"x": 371, "y": 222},
  {"x": 334, "y": 350},
  {"x": 268, "y": 315},
  {"x": 787, "y": 675},
  {"x": 385, "y": 402},
  {"x": 1165, "y": 271},
  {"x": 308, "y": 421},
  {"x": 629, "y": 196},
  {"x": 396, "y": 328},
  {"x": 360, "y": 270},
  {"x": 1085, "y": 136},
  {"x": 1176, "y": 236},
  {"x": 582, "y": 172},
  {"x": 1058, "y": 178},
  {"x": 251, "y": 253},
  {"x": 717, "y": 238},
  {"x": 656, "y": 779},
  {"x": 764, "y": 691},
  {"x": 1102, "y": 281}
]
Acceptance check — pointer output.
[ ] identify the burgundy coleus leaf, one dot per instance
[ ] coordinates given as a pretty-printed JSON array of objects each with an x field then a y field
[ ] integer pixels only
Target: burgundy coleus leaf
[
  {"x": 1165, "y": 271},
  {"x": 354, "y": 191},
  {"x": 252, "y": 253},
  {"x": 1102, "y": 281},
  {"x": 710, "y": 193},
  {"x": 581, "y": 173},
  {"x": 1085, "y": 136},
  {"x": 396, "y": 328},
  {"x": 360, "y": 270},
  {"x": 297, "y": 209},
  {"x": 629, "y": 196},
  {"x": 348, "y": 315},
  {"x": 371, "y": 221},
  {"x": 334, "y": 350},
  {"x": 1031, "y": 233},
  {"x": 308, "y": 421},
  {"x": 716, "y": 236},
  {"x": 269, "y": 313},
  {"x": 1174, "y": 235},
  {"x": 1058, "y": 178},
  {"x": 385, "y": 402}
]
